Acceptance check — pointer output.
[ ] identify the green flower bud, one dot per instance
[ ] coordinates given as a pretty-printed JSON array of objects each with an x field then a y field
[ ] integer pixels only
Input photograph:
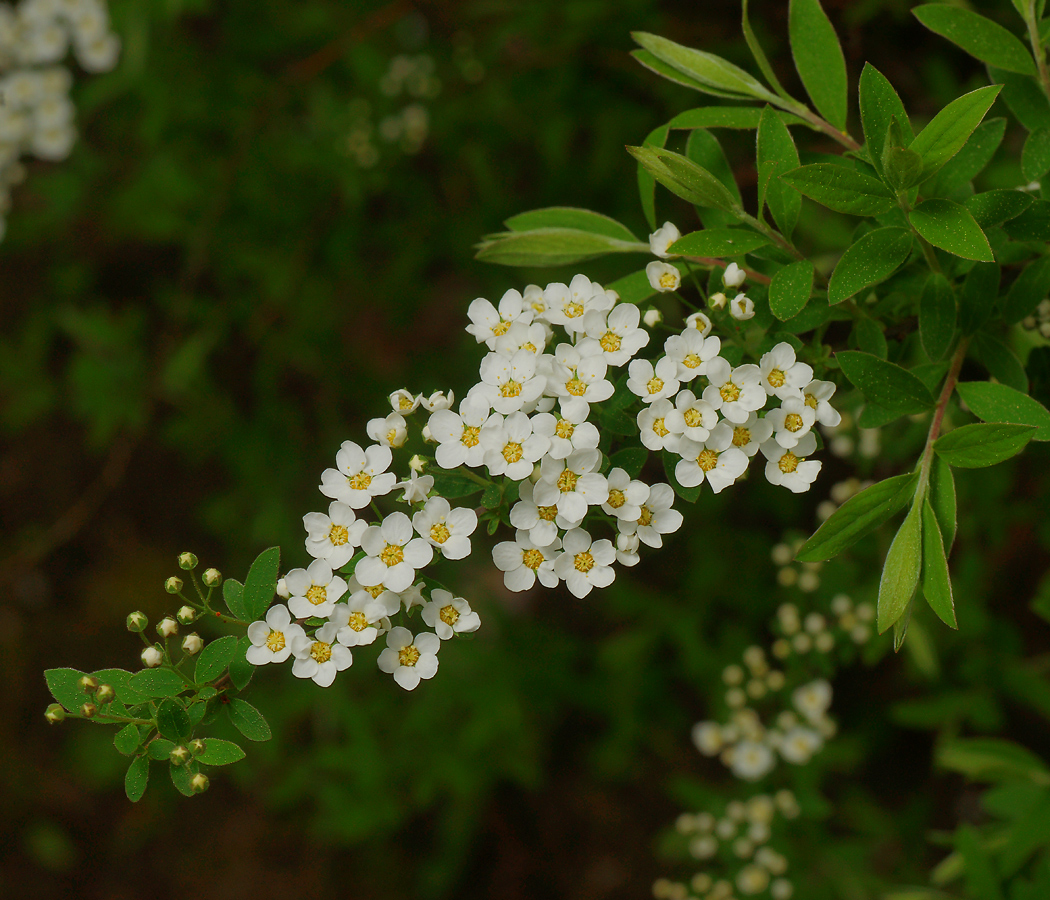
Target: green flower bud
[
  {"x": 89, "y": 710},
  {"x": 211, "y": 577},
  {"x": 179, "y": 755},
  {"x": 186, "y": 614},
  {"x": 105, "y": 694},
  {"x": 167, "y": 626},
  {"x": 187, "y": 561},
  {"x": 88, "y": 684},
  {"x": 199, "y": 783},
  {"x": 197, "y": 746},
  {"x": 173, "y": 585},
  {"x": 55, "y": 713},
  {"x": 137, "y": 621}
]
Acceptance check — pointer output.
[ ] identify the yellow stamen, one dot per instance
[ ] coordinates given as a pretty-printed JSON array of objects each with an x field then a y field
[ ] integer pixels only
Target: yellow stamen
[
  {"x": 321, "y": 651},
  {"x": 533, "y": 559},
  {"x": 360, "y": 481},
  {"x": 275, "y": 641},
  {"x": 567, "y": 481},
  {"x": 317, "y": 595},
  {"x": 512, "y": 452},
  {"x": 616, "y": 499},
  {"x": 338, "y": 535},
  {"x": 392, "y": 555},
  {"x": 583, "y": 562},
  {"x": 408, "y": 656},
  {"x": 449, "y": 615},
  {"x": 440, "y": 533}
]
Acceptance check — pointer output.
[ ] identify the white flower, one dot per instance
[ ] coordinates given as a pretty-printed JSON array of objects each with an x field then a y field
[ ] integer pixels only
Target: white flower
[
  {"x": 652, "y": 427},
  {"x": 748, "y": 435},
  {"x": 437, "y": 400},
  {"x": 510, "y": 382},
  {"x": 617, "y": 333},
  {"x": 692, "y": 352},
  {"x": 571, "y": 484},
  {"x": 394, "y": 554},
  {"x": 523, "y": 562},
  {"x": 449, "y": 615},
  {"x": 416, "y": 487},
  {"x": 334, "y": 537},
  {"x": 410, "y": 659},
  {"x": 625, "y": 496},
  {"x": 657, "y": 517},
  {"x": 627, "y": 549},
  {"x": 459, "y": 434},
  {"x": 662, "y": 238},
  {"x": 782, "y": 376},
  {"x": 790, "y": 467},
  {"x": 511, "y": 448},
  {"x": 534, "y": 298},
  {"x": 752, "y": 879},
  {"x": 404, "y": 401},
  {"x": 522, "y": 337},
  {"x": 733, "y": 276},
  {"x": 663, "y": 276},
  {"x": 813, "y": 699},
  {"x": 567, "y": 304},
  {"x": 735, "y": 393},
  {"x": 652, "y": 318},
  {"x": 715, "y": 461},
  {"x": 653, "y": 383},
  {"x": 538, "y": 522},
  {"x": 791, "y": 421},
  {"x": 314, "y": 591},
  {"x": 691, "y": 417},
  {"x": 360, "y": 475},
  {"x": 320, "y": 657},
  {"x": 798, "y": 745},
  {"x": 152, "y": 657},
  {"x": 567, "y": 433},
  {"x": 388, "y": 431},
  {"x": 707, "y": 736},
  {"x": 700, "y": 322},
  {"x": 487, "y": 323},
  {"x": 358, "y": 620},
  {"x": 742, "y": 308},
  {"x": 817, "y": 395},
  {"x": 446, "y": 528},
  {"x": 412, "y": 597},
  {"x": 577, "y": 376},
  {"x": 585, "y": 564},
  {"x": 752, "y": 760},
  {"x": 272, "y": 636}
]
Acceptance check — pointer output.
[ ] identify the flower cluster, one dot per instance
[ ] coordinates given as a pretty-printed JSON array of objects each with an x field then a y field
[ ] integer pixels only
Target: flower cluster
[{"x": 36, "y": 114}]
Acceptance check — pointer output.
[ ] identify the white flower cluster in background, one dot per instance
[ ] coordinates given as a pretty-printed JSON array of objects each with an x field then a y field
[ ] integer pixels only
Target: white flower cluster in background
[
  {"x": 36, "y": 114},
  {"x": 744, "y": 827}
]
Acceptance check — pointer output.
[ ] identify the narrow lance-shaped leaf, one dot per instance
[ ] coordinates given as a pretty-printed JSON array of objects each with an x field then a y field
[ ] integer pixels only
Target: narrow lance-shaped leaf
[
  {"x": 776, "y": 154},
  {"x": 995, "y": 207},
  {"x": 646, "y": 183},
  {"x": 872, "y": 259},
  {"x": 884, "y": 383},
  {"x": 1000, "y": 403},
  {"x": 551, "y": 247},
  {"x": 936, "y": 580},
  {"x": 841, "y": 189},
  {"x": 261, "y": 583},
  {"x": 980, "y": 37},
  {"x": 971, "y": 160},
  {"x": 664, "y": 70},
  {"x": 942, "y": 499},
  {"x": 879, "y": 103},
  {"x": 947, "y": 132},
  {"x": 570, "y": 217},
  {"x": 950, "y": 226},
  {"x": 979, "y": 445},
  {"x": 718, "y": 242},
  {"x": 790, "y": 289},
  {"x": 936, "y": 316},
  {"x": 1035, "y": 157},
  {"x": 900, "y": 573},
  {"x": 685, "y": 178},
  {"x": 704, "y": 149},
  {"x": 760, "y": 55},
  {"x": 819, "y": 60}
]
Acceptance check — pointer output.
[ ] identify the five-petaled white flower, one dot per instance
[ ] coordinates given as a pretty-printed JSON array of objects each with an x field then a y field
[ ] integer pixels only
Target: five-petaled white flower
[
  {"x": 700, "y": 322},
  {"x": 657, "y": 517},
  {"x": 523, "y": 337},
  {"x": 388, "y": 431},
  {"x": 572, "y": 484},
  {"x": 798, "y": 745},
  {"x": 735, "y": 393},
  {"x": 394, "y": 554},
  {"x": 692, "y": 352},
  {"x": 813, "y": 699},
  {"x": 358, "y": 620},
  {"x": 539, "y": 522},
  {"x": 790, "y": 468},
  {"x": 817, "y": 395},
  {"x": 626, "y": 496},
  {"x": 334, "y": 537},
  {"x": 568, "y": 304},
  {"x": 522, "y": 562},
  {"x": 487, "y": 323},
  {"x": 692, "y": 417},
  {"x": 459, "y": 434},
  {"x": 577, "y": 376},
  {"x": 313, "y": 591},
  {"x": 782, "y": 376},
  {"x": 272, "y": 637},
  {"x": 510, "y": 382},
  {"x": 409, "y": 659},
  {"x": 449, "y": 615},
  {"x": 662, "y": 238},
  {"x": 416, "y": 487},
  {"x": 359, "y": 476},
  {"x": 321, "y": 656},
  {"x": 742, "y": 308},
  {"x": 716, "y": 461},
  {"x": 791, "y": 421},
  {"x": 567, "y": 433},
  {"x": 511, "y": 448},
  {"x": 627, "y": 549},
  {"x": 585, "y": 563},
  {"x": 653, "y": 383},
  {"x": 617, "y": 332},
  {"x": 652, "y": 427},
  {"x": 404, "y": 401},
  {"x": 437, "y": 400},
  {"x": 446, "y": 528},
  {"x": 748, "y": 435},
  {"x": 663, "y": 276},
  {"x": 751, "y": 760}
]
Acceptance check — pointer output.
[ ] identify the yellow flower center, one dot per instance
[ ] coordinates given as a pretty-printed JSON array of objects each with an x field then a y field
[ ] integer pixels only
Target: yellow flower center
[
  {"x": 338, "y": 535},
  {"x": 501, "y": 328},
  {"x": 510, "y": 389},
  {"x": 576, "y": 387},
  {"x": 512, "y": 452},
  {"x": 408, "y": 656},
  {"x": 776, "y": 378},
  {"x": 741, "y": 436},
  {"x": 583, "y": 562},
  {"x": 470, "y": 436},
  {"x": 692, "y": 361},
  {"x": 375, "y": 590},
  {"x": 440, "y": 533},
  {"x": 646, "y": 517},
  {"x": 811, "y": 401},
  {"x": 531, "y": 347},
  {"x": 533, "y": 559},
  {"x": 405, "y": 402},
  {"x": 610, "y": 342},
  {"x": 391, "y": 437},
  {"x": 321, "y": 651},
  {"x": 449, "y": 615},
  {"x": 793, "y": 422},
  {"x": 392, "y": 555},
  {"x": 729, "y": 392},
  {"x": 547, "y": 513},
  {"x": 669, "y": 281},
  {"x": 358, "y": 621},
  {"x": 616, "y": 499},
  {"x": 788, "y": 463},
  {"x": 317, "y": 594},
  {"x": 707, "y": 460},
  {"x": 564, "y": 428},
  {"x": 693, "y": 417},
  {"x": 573, "y": 310},
  {"x": 567, "y": 481},
  {"x": 654, "y": 385},
  {"x": 659, "y": 429},
  {"x": 275, "y": 641},
  {"x": 360, "y": 481}
]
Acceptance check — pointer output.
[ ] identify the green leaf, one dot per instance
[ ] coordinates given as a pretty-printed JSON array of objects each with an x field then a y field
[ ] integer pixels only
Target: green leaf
[
  {"x": 979, "y": 873},
  {"x": 159, "y": 748},
  {"x": 947, "y": 133},
  {"x": 214, "y": 659},
  {"x": 841, "y": 189},
  {"x": 718, "y": 242},
  {"x": 1028, "y": 291},
  {"x": 573, "y": 218},
  {"x": 492, "y": 496},
  {"x": 127, "y": 740},
  {"x": 992, "y": 759},
  {"x": 936, "y": 316},
  {"x": 879, "y": 104},
  {"x": 776, "y": 154},
  {"x": 261, "y": 583},
  {"x": 248, "y": 720},
  {"x": 858, "y": 516},
  {"x": 936, "y": 581},
  {"x": 64, "y": 688},
  {"x": 900, "y": 574},
  {"x": 980, "y": 37},
  {"x": 550, "y": 247},
  {"x": 976, "y": 153},
  {"x": 453, "y": 485},
  {"x": 646, "y": 183},
  {"x": 872, "y": 259},
  {"x": 903, "y": 167},
  {"x": 869, "y": 337},
  {"x": 950, "y": 226},
  {"x": 688, "y": 494},
  {"x": 630, "y": 459},
  {"x": 1032, "y": 225},
  {"x": 884, "y": 383},
  {"x": 979, "y": 445},
  {"x": 233, "y": 594},
  {"x": 1035, "y": 158},
  {"x": 241, "y": 671},
  {"x": 742, "y": 117},
  {"x": 1000, "y": 403},
  {"x": 182, "y": 777},
  {"x": 219, "y": 753},
  {"x": 137, "y": 778},
  {"x": 942, "y": 499},
  {"x": 790, "y": 289},
  {"x": 685, "y": 178},
  {"x": 654, "y": 64},
  {"x": 819, "y": 60},
  {"x": 998, "y": 206},
  {"x": 1000, "y": 361},
  {"x": 706, "y": 68},
  {"x": 158, "y": 683},
  {"x": 978, "y": 296},
  {"x": 704, "y": 149},
  {"x": 173, "y": 722},
  {"x": 1024, "y": 98}
]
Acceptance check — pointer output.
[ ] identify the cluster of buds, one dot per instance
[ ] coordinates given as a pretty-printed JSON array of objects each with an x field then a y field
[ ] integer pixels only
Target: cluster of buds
[{"x": 98, "y": 695}]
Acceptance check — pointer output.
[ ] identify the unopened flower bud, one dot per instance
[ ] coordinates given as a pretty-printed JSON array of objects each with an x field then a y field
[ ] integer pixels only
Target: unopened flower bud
[
  {"x": 417, "y": 463},
  {"x": 427, "y": 436},
  {"x": 89, "y": 710},
  {"x": 105, "y": 694},
  {"x": 151, "y": 657},
  {"x": 187, "y": 560},
  {"x": 137, "y": 621},
  {"x": 282, "y": 589},
  {"x": 211, "y": 577},
  {"x": 197, "y": 746},
  {"x": 173, "y": 585},
  {"x": 186, "y": 614},
  {"x": 652, "y": 317},
  {"x": 717, "y": 301},
  {"x": 742, "y": 307},
  {"x": 199, "y": 783},
  {"x": 167, "y": 626},
  {"x": 733, "y": 276},
  {"x": 179, "y": 755},
  {"x": 88, "y": 684},
  {"x": 439, "y": 400},
  {"x": 55, "y": 713},
  {"x": 191, "y": 644}
]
